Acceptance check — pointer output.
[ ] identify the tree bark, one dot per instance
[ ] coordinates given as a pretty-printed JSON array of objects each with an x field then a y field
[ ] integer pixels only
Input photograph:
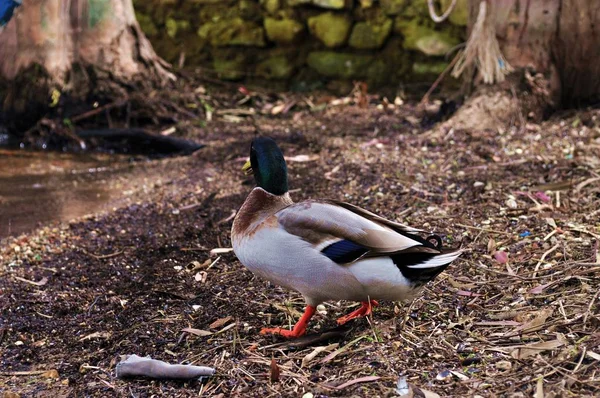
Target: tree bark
[
  {"x": 555, "y": 38},
  {"x": 77, "y": 47}
]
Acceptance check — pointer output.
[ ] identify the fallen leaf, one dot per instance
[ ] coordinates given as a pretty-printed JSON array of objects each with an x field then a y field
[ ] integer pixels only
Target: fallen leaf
[
  {"x": 221, "y": 250},
  {"x": 501, "y": 256},
  {"x": 491, "y": 246},
  {"x": 302, "y": 158},
  {"x": 535, "y": 324},
  {"x": 96, "y": 335},
  {"x": 364, "y": 379},
  {"x": 275, "y": 372},
  {"x": 51, "y": 374},
  {"x": 593, "y": 355},
  {"x": 542, "y": 196},
  {"x": 220, "y": 322},
  {"x": 312, "y": 355},
  {"x": 197, "y": 332},
  {"x": 459, "y": 375},
  {"x": 533, "y": 349},
  {"x": 468, "y": 294},
  {"x": 539, "y": 289},
  {"x": 41, "y": 282}
]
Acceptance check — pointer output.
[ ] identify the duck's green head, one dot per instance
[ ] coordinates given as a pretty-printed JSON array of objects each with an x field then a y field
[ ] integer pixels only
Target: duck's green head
[{"x": 268, "y": 166}]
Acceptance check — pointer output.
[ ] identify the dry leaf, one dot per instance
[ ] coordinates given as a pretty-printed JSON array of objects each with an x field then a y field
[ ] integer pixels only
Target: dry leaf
[
  {"x": 96, "y": 335},
  {"x": 312, "y": 355},
  {"x": 491, "y": 246},
  {"x": 197, "y": 332},
  {"x": 51, "y": 374},
  {"x": 534, "y": 349},
  {"x": 535, "y": 324},
  {"x": 275, "y": 373},
  {"x": 501, "y": 257},
  {"x": 359, "y": 380},
  {"x": 302, "y": 158},
  {"x": 220, "y": 322},
  {"x": 221, "y": 250},
  {"x": 467, "y": 293},
  {"x": 539, "y": 289}
]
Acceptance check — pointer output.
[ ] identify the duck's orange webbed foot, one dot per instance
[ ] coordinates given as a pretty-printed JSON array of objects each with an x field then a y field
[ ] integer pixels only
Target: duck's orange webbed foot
[
  {"x": 298, "y": 330},
  {"x": 364, "y": 310}
]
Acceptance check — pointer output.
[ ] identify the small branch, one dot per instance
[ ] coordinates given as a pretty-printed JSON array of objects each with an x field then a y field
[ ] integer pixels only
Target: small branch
[{"x": 136, "y": 366}]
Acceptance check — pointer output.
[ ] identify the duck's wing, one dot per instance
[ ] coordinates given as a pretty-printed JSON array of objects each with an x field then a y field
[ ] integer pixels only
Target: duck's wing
[{"x": 345, "y": 233}]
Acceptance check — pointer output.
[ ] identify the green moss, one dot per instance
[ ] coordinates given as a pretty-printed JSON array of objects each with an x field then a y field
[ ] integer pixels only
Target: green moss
[
  {"x": 232, "y": 32},
  {"x": 230, "y": 65},
  {"x": 393, "y": 7},
  {"x": 460, "y": 15},
  {"x": 174, "y": 26},
  {"x": 340, "y": 65},
  {"x": 278, "y": 67},
  {"x": 333, "y": 4},
  {"x": 330, "y": 28},
  {"x": 146, "y": 24},
  {"x": 271, "y": 6},
  {"x": 428, "y": 69},
  {"x": 283, "y": 31},
  {"x": 97, "y": 10},
  {"x": 368, "y": 35},
  {"x": 424, "y": 39}
]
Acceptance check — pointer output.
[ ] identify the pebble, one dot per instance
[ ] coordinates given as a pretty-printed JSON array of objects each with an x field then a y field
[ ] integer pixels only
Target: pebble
[{"x": 478, "y": 184}]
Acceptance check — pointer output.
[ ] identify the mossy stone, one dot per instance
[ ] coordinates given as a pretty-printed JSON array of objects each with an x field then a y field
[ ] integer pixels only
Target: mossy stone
[
  {"x": 393, "y": 7},
  {"x": 460, "y": 15},
  {"x": 330, "y": 28},
  {"x": 369, "y": 35},
  {"x": 339, "y": 65},
  {"x": 283, "y": 31},
  {"x": 173, "y": 26},
  {"x": 275, "y": 68},
  {"x": 230, "y": 67},
  {"x": 333, "y": 4},
  {"x": 427, "y": 69},
  {"x": 271, "y": 6},
  {"x": 424, "y": 39},
  {"x": 233, "y": 32}
]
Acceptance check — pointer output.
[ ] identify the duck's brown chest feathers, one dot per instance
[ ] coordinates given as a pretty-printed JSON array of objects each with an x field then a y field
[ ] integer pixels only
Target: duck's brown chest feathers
[{"x": 259, "y": 207}]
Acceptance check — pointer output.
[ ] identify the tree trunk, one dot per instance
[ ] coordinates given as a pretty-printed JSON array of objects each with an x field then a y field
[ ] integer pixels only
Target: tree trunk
[
  {"x": 556, "y": 38},
  {"x": 553, "y": 46},
  {"x": 73, "y": 47}
]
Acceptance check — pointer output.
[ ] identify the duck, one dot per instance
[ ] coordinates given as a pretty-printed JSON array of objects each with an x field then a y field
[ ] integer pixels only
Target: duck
[{"x": 327, "y": 250}]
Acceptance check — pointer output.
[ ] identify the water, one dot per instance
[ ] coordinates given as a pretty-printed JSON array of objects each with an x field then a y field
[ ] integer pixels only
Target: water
[{"x": 38, "y": 188}]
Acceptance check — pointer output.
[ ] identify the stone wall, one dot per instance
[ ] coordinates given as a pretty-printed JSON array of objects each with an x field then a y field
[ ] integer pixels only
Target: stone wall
[{"x": 304, "y": 42}]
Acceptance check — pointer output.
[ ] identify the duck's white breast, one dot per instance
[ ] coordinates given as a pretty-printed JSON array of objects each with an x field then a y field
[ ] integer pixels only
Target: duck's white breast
[{"x": 289, "y": 261}]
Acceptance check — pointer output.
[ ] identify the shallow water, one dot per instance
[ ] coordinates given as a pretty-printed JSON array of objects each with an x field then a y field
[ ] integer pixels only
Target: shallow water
[{"x": 38, "y": 188}]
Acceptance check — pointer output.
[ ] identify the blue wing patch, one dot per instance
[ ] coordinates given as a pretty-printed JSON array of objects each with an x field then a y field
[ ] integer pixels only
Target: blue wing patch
[
  {"x": 344, "y": 251},
  {"x": 6, "y": 10}
]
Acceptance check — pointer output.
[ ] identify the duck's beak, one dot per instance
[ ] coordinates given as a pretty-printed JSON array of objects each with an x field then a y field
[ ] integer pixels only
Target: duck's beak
[{"x": 247, "y": 168}]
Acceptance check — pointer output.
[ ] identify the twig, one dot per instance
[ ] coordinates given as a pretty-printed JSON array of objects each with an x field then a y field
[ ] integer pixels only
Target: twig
[
  {"x": 537, "y": 266},
  {"x": 136, "y": 366},
  {"x": 441, "y": 76},
  {"x": 98, "y": 110},
  {"x": 104, "y": 256}
]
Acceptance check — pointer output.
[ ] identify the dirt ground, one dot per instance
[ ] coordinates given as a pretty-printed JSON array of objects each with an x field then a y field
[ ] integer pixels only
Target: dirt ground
[{"x": 517, "y": 315}]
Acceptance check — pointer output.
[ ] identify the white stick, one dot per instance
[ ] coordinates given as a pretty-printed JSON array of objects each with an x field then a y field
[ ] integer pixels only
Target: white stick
[{"x": 136, "y": 366}]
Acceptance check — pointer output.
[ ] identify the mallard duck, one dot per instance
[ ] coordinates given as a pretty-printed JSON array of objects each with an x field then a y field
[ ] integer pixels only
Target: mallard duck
[{"x": 325, "y": 249}]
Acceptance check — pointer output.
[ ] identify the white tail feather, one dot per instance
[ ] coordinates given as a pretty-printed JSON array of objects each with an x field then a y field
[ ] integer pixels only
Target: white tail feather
[{"x": 438, "y": 261}]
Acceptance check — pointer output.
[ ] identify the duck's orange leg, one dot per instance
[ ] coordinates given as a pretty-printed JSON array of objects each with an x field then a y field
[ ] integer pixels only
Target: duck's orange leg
[
  {"x": 364, "y": 310},
  {"x": 299, "y": 328}
]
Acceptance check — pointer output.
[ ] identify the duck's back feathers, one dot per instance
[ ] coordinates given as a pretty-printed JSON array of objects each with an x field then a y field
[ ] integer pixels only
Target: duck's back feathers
[
  {"x": 346, "y": 234},
  {"x": 326, "y": 223}
]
